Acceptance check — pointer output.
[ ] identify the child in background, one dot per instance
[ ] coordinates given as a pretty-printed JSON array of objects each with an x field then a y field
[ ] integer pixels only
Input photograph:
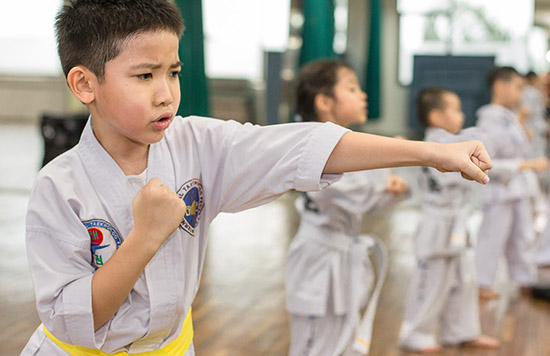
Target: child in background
[
  {"x": 116, "y": 227},
  {"x": 443, "y": 295},
  {"x": 537, "y": 127},
  {"x": 507, "y": 223},
  {"x": 532, "y": 98},
  {"x": 329, "y": 275}
]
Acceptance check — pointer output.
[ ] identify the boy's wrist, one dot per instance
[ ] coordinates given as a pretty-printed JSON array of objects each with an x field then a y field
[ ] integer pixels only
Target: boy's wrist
[
  {"x": 146, "y": 246},
  {"x": 429, "y": 154}
]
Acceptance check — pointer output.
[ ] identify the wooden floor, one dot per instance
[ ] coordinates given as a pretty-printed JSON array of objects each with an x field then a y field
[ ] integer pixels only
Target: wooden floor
[{"x": 240, "y": 306}]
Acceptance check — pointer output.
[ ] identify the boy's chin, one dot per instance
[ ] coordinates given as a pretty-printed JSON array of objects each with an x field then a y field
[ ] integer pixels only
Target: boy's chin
[{"x": 155, "y": 138}]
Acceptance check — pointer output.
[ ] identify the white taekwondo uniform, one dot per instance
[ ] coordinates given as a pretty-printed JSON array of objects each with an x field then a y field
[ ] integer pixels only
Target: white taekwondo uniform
[
  {"x": 507, "y": 223},
  {"x": 542, "y": 254},
  {"x": 80, "y": 210},
  {"x": 533, "y": 99},
  {"x": 329, "y": 275},
  {"x": 443, "y": 291}
]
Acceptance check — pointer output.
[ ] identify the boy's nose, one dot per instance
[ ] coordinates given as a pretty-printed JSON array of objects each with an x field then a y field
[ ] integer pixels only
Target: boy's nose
[{"x": 163, "y": 95}]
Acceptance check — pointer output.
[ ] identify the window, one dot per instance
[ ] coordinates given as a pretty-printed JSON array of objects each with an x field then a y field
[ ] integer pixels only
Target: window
[
  {"x": 238, "y": 32},
  {"x": 469, "y": 27},
  {"x": 27, "y": 37}
]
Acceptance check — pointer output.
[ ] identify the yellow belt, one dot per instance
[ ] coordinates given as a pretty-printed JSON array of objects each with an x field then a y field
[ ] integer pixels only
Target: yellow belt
[{"x": 177, "y": 347}]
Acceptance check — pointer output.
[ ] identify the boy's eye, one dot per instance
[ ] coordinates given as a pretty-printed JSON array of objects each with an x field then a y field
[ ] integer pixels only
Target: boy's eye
[
  {"x": 175, "y": 74},
  {"x": 145, "y": 76}
]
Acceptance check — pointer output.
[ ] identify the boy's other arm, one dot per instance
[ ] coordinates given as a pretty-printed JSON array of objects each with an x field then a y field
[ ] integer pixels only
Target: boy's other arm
[
  {"x": 536, "y": 164},
  {"x": 358, "y": 151},
  {"x": 157, "y": 213}
]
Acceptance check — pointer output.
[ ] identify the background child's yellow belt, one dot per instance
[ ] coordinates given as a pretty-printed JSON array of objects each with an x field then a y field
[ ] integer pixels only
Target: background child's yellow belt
[{"x": 177, "y": 347}]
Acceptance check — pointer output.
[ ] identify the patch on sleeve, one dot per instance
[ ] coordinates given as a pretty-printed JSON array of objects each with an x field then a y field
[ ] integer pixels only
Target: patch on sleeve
[
  {"x": 191, "y": 193},
  {"x": 104, "y": 240}
]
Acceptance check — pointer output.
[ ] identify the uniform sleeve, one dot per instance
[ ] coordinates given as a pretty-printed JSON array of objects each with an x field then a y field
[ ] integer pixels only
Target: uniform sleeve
[
  {"x": 504, "y": 170},
  {"x": 262, "y": 162},
  {"x": 59, "y": 257}
]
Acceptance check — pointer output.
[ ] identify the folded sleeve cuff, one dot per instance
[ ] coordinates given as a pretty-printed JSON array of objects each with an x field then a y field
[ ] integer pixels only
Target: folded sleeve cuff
[
  {"x": 77, "y": 304},
  {"x": 310, "y": 175}
]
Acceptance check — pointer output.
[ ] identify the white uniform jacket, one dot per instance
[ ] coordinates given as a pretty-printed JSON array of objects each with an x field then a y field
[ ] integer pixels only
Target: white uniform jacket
[
  {"x": 534, "y": 100},
  {"x": 509, "y": 146},
  {"x": 80, "y": 211},
  {"x": 318, "y": 267},
  {"x": 442, "y": 228}
]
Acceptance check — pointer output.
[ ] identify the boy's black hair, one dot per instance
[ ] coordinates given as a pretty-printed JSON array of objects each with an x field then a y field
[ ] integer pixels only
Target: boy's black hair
[
  {"x": 531, "y": 75},
  {"x": 501, "y": 73},
  {"x": 429, "y": 99},
  {"x": 317, "y": 77},
  {"x": 92, "y": 32}
]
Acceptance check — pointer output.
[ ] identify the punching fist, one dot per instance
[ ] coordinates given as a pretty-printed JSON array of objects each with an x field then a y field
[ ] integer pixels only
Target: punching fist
[
  {"x": 470, "y": 158},
  {"x": 157, "y": 211}
]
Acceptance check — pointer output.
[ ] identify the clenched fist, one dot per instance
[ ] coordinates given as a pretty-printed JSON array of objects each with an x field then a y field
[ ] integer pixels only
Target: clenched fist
[{"x": 157, "y": 211}]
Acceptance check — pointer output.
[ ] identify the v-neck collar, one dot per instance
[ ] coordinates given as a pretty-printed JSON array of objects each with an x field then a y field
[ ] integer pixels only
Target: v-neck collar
[{"x": 110, "y": 181}]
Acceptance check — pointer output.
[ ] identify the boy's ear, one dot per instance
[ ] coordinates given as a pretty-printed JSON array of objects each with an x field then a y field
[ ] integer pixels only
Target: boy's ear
[
  {"x": 322, "y": 103},
  {"x": 498, "y": 86},
  {"x": 81, "y": 81},
  {"x": 435, "y": 117}
]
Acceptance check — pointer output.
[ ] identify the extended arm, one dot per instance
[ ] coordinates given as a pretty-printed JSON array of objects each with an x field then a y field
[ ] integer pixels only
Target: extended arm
[{"x": 358, "y": 151}]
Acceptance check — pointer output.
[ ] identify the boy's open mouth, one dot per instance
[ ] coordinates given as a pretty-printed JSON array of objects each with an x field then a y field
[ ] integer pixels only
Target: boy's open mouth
[{"x": 162, "y": 123}]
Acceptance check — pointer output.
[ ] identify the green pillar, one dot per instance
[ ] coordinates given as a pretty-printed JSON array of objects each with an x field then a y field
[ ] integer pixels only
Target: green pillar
[
  {"x": 372, "y": 71},
  {"x": 318, "y": 30},
  {"x": 193, "y": 84}
]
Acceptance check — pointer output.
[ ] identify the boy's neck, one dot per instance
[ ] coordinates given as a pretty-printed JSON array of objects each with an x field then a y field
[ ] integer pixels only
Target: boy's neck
[
  {"x": 497, "y": 101},
  {"x": 131, "y": 165},
  {"x": 331, "y": 119},
  {"x": 132, "y": 159},
  {"x": 437, "y": 127}
]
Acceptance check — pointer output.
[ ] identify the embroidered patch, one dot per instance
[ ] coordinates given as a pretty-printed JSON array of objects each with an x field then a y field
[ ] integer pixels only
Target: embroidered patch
[
  {"x": 104, "y": 240},
  {"x": 191, "y": 193}
]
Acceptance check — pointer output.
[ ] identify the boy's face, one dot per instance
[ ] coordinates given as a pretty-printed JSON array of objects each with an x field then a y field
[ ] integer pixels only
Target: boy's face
[
  {"x": 511, "y": 91},
  {"x": 139, "y": 95},
  {"x": 453, "y": 114},
  {"x": 451, "y": 117},
  {"x": 350, "y": 101}
]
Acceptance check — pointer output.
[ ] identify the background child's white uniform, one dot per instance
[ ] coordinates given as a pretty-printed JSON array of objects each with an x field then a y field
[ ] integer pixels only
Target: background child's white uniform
[
  {"x": 507, "y": 224},
  {"x": 329, "y": 274},
  {"x": 542, "y": 254},
  {"x": 213, "y": 165},
  {"x": 443, "y": 291},
  {"x": 533, "y": 99}
]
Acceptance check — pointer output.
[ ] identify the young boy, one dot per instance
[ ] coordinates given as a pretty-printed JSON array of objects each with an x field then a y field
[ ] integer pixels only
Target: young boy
[
  {"x": 329, "y": 275},
  {"x": 507, "y": 223},
  {"x": 443, "y": 295},
  {"x": 116, "y": 227}
]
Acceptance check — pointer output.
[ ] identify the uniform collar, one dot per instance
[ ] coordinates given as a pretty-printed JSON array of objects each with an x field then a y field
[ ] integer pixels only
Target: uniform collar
[{"x": 109, "y": 180}]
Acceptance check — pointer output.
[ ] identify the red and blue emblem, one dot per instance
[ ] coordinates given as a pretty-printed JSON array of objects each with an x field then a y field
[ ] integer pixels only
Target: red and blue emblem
[
  {"x": 104, "y": 240},
  {"x": 191, "y": 193}
]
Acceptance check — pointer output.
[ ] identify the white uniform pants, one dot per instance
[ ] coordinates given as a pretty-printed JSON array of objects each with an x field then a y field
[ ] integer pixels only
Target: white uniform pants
[
  {"x": 317, "y": 336},
  {"x": 443, "y": 297},
  {"x": 506, "y": 229},
  {"x": 542, "y": 254}
]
